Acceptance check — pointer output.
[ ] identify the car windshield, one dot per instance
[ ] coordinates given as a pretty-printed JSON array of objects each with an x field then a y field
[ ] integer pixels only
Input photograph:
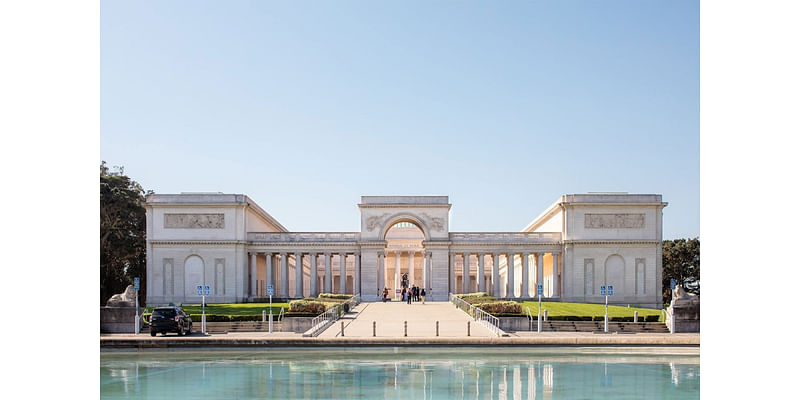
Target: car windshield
[{"x": 166, "y": 313}]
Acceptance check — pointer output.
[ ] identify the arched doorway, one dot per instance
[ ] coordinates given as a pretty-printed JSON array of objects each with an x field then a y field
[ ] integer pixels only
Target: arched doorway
[{"x": 404, "y": 266}]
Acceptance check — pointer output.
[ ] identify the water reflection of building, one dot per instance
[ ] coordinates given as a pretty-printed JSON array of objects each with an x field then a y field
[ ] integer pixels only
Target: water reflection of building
[{"x": 401, "y": 379}]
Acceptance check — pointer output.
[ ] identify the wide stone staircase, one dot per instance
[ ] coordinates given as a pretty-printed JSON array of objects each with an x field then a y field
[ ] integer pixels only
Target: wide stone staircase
[{"x": 597, "y": 326}]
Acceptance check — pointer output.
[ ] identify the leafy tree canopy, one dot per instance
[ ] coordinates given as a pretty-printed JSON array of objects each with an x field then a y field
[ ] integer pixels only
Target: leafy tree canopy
[
  {"x": 122, "y": 232},
  {"x": 681, "y": 261}
]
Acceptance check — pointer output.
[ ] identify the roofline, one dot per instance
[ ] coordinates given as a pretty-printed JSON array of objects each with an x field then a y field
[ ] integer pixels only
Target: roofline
[{"x": 563, "y": 202}]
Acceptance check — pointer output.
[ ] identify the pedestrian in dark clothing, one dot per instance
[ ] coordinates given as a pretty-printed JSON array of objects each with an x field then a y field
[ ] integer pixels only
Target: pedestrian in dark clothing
[{"x": 422, "y": 294}]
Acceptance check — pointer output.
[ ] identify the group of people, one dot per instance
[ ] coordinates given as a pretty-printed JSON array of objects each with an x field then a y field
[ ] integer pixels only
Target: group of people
[{"x": 409, "y": 294}]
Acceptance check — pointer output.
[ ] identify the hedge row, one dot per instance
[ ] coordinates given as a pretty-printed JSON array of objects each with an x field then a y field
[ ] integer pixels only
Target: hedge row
[
  {"x": 470, "y": 297},
  {"x": 336, "y": 296},
  {"x": 597, "y": 318},
  {"x": 499, "y": 307}
]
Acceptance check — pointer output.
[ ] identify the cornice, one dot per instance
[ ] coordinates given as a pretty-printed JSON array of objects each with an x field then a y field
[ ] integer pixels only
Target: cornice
[
  {"x": 196, "y": 242},
  {"x": 447, "y": 206},
  {"x": 580, "y": 242}
]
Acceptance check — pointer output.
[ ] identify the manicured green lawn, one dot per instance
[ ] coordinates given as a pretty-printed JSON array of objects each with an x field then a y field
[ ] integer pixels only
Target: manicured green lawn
[
  {"x": 235, "y": 309},
  {"x": 582, "y": 309}
]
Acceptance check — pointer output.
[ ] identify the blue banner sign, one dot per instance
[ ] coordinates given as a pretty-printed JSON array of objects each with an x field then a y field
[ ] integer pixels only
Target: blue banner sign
[
  {"x": 199, "y": 290},
  {"x": 610, "y": 290},
  {"x": 135, "y": 283},
  {"x": 208, "y": 290},
  {"x": 270, "y": 290},
  {"x": 539, "y": 290},
  {"x": 602, "y": 290}
]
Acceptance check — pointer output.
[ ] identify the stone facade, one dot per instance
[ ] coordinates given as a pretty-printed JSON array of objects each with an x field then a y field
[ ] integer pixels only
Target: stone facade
[{"x": 229, "y": 243}]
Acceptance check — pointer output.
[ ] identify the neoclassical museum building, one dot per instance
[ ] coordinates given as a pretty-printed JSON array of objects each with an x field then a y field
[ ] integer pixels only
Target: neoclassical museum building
[{"x": 228, "y": 242}]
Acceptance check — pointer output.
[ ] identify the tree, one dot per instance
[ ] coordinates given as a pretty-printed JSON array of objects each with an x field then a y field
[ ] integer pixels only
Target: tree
[
  {"x": 122, "y": 233},
  {"x": 681, "y": 261}
]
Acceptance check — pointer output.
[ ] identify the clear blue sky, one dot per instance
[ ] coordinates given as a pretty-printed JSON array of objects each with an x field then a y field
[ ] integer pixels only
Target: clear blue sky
[{"x": 503, "y": 106}]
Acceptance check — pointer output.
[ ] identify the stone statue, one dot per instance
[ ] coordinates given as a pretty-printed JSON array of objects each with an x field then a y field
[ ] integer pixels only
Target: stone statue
[
  {"x": 124, "y": 299},
  {"x": 681, "y": 298}
]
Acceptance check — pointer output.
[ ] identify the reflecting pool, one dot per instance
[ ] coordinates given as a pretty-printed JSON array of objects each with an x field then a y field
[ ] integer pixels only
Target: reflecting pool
[{"x": 404, "y": 373}]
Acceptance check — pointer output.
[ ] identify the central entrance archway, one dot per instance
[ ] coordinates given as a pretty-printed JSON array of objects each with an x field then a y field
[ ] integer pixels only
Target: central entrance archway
[{"x": 405, "y": 253}]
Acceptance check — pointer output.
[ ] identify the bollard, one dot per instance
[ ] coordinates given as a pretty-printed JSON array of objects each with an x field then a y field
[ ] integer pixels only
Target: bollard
[
  {"x": 405, "y": 328},
  {"x": 545, "y": 315},
  {"x": 635, "y": 316},
  {"x": 342, "y": 328},
  {"x": 373, "y": 328},
  {"x": 263, "y": 315},
  {"x": 437, "y": 328},
  {"x": 468, "y": 328},
  {"x": 270, "y": 320}
]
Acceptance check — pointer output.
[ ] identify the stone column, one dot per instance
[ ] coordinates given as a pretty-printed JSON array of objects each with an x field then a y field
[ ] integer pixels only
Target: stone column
[
  {"x": 411, "y": 266},
  {"x": 512, "y": 282},
  {"x": 425, "y": 270},
  {"x": 381, "y": 271},
  {"x": 357, "y": 273},
  {"x": 396, "y": 271},
  {"x": 496, "y": 274},
  {"x": 430, "y": 272},
  {"x": 539, "y": 271},
  {"x": 298, "y": 275},
  {"x": 284, "y": 275},
  {"x": 328, "y": 260},
  {"x": 342, "y": 272},
  {"x": 525, "y": 277},
  {"x": 480, "y": 276},
  {"x": 556, "y": 289},
  {"x": 452, "y": 269},
  {"x": 269, "y": 269},
  {"x": 253, "y": 274},
  {"x": 313, "y": 277},
  {"x": 466, "y": 273}
]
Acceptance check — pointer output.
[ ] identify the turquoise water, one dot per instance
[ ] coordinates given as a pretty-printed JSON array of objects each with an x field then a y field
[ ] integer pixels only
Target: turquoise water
[{"x": 403, "y": 373}]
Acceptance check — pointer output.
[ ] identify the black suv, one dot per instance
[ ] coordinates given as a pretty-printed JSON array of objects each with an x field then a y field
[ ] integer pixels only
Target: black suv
[{"x": 170, "y": 319}]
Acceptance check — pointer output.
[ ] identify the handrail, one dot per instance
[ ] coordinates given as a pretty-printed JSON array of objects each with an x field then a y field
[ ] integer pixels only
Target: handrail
[
  {"x": 530, "y": 318},
  {"x": 668, "y": 319},
  {"x": 327, "y": 318},
  {"x": 489, "y": 321},
  {"x": 280, "y": 315}
]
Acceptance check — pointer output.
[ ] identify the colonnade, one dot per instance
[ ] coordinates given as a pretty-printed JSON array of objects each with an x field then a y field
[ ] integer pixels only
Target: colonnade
[
  {"x": 492, "y": 283},
  {"x": 321, "y": 276},
  {"x": 277, "y": 273}
]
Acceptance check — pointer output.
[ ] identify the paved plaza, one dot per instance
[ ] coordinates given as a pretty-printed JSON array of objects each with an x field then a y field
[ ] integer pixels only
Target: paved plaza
[{"x": 390, "y": 316}]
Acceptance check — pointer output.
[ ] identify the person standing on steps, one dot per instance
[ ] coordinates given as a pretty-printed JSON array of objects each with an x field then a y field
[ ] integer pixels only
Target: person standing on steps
[
  {"x": 409, "y": 295},
  {"x": 422, "y": 294}
]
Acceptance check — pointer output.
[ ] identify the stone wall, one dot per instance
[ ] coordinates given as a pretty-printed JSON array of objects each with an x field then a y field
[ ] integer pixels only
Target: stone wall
[{"x": 118, "y": 320}]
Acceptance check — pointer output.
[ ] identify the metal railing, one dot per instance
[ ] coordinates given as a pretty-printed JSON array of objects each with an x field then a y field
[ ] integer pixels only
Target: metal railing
[
  {"x": 326, "y": 319},
  {"x": 280, "y": 314},
  {"x": 669, "y": 320},
  {"x": 489, "y": 321},
  {"x": 530, "y": 318}
]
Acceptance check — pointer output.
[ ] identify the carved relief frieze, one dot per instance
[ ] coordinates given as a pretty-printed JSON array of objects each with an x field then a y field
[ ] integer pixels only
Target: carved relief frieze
[
  {"x": 194, "y": 221},
  {"x": 374, "y": 221},
  {"x": 436, "y": 223},
  {"x": 614, "y": 221}
]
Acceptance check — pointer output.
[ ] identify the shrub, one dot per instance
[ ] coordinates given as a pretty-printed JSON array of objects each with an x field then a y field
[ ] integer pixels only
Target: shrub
[
  {"x": 651, "y": 318},
  {"x": 308, "y": 306},
  {"x": 335, "y": 296},
  {"x": 500, "y": 307}
]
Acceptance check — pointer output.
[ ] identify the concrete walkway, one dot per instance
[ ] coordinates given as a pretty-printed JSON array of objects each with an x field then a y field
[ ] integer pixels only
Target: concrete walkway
[{"x": 389, "y": 318}]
